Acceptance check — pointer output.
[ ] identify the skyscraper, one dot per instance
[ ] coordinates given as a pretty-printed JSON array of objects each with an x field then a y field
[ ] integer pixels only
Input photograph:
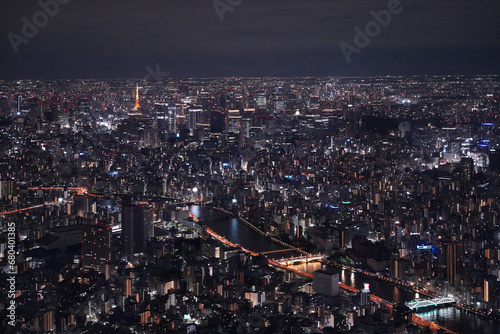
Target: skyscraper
[
  {"x": 451, "y": 262},
  {"x": 137, "y": 226},
  {"x": 193, "y": 119},
  {"x": 467, "y": 167},
  {"x": 96, "y": 247},
  {"x": 172, "y": 120},
  {"x": 84, "y": 110}
]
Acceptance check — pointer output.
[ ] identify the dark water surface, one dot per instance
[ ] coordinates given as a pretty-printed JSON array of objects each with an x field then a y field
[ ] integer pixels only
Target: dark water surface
[{"x": 450, "y": 317}]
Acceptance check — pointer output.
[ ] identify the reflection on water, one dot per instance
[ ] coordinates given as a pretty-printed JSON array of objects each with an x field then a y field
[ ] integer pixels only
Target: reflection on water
[
  {"x": 308, "y": 268},
  {"x": 459, "y": 320},
  {"x": 237, "y": 232},
  {"x": 454, "y": 319},
  {"x": 196, "y": 211},
  {"x": 233, "y": 230}
]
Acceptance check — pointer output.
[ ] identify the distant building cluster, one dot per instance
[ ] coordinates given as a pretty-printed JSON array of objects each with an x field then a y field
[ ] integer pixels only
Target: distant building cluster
[{"x": 394, "y": 177}]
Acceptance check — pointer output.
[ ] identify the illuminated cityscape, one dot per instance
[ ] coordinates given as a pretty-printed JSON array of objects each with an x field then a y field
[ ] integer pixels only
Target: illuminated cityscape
[
  {"x": 239, "y": 205},
  {"x": 238, "y": 167}
]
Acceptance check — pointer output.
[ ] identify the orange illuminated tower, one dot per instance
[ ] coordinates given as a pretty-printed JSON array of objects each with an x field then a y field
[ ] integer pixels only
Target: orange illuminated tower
[{"x": 137, "y": 105}]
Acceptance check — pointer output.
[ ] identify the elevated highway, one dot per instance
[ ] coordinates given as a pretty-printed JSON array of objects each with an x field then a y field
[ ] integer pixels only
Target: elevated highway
[{"x": 380, "y": 301}]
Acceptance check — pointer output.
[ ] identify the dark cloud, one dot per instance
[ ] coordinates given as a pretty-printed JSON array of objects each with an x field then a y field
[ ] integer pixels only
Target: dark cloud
[{"x": 103, "y": 38}]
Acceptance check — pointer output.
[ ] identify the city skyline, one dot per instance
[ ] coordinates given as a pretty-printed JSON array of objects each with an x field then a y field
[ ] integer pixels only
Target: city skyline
[
  {"x": 330, "y": 205},
  {"x": 244, "y": 166}
]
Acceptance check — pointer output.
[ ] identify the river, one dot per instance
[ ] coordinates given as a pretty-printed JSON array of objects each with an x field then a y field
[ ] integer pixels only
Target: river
[{"x": 452, "y": 318}]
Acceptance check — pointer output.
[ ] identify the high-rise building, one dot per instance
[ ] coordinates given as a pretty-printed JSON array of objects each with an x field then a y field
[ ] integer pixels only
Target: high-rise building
[
  {"x": 365, "y": 294},
  {"x": 489, "y": 289},
  {"x": 96, "y": 247},
  {"x": 151, "y": 137},
  {"x": 193, "y": 119},
  {"x": 261, "y": 100},
  {"x": 222, "y": 101},
  {"x": 45, "y": 321},
  {"x": 84, "y": 110},
  {"x": 451, "y": 262},
  {"x": 83, "y": 205},
  {"x": 280, "y": 105},
  {"x": 245, "y": 125},
  {"x": 19, "y": 102},
  {"x": 6, "y": 188},
  {"x": 172, "y": 120},
  {"x": 467, "y": 167},
  {"x": 217, "y": 121},
  {"x": 232, "y": 140},
  {"x": 159, "y": 114},
  {"x": 326, "y": 283},
  {"x": 128, "y": 287},
  {"x": 137, "y": 226},
  {"x": 494, "y": 158}
]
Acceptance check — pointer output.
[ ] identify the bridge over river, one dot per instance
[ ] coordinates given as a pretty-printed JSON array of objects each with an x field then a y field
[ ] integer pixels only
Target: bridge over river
[
  {"x": 233, "y": 232},
  {"x": 421, "y": 303}
]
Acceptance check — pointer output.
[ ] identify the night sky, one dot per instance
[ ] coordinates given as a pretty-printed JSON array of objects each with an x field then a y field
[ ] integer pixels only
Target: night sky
[{"x": 187, "y": 38}]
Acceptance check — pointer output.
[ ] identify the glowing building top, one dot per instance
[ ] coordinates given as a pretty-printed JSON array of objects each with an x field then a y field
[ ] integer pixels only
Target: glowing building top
[{"x": 137, "y": 105}]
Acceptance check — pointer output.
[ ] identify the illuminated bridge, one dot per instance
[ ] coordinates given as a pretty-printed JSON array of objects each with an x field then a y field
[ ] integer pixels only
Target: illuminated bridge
[
  {"x": 305, "y": 259},
  {"x": 414, "y": 304},
  {"x": 382, "y": 302}
]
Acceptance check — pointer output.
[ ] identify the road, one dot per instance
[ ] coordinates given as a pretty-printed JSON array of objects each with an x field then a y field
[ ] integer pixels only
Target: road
[
  {"x": 384, "y": 303},
  {"x": 77, "y": 190}
]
